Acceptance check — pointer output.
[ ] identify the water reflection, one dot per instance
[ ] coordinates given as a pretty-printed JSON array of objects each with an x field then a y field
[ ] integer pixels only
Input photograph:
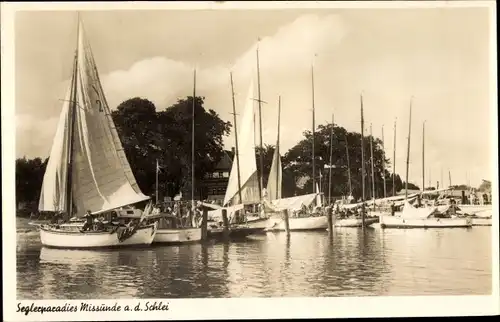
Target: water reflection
[
  {"x": 455, "y": 261},
  {"x": 345, "y": 262}
]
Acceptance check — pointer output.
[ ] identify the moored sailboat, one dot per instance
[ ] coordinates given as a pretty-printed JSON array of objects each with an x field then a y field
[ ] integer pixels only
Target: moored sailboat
[
  {"x": 171, "y": 230},
  {"x": 359, "y": 220},
  {"x": 427, "y": 217},
  {"x": 88, "y": 173},
  {"x": 301, "y": 217},
  {"x": 243, "y": 184},
  {"x": 424, "y": 217}
]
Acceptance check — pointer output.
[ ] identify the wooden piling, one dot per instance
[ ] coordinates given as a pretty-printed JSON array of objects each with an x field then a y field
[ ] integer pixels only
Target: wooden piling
[
  {"x": 329, "y": 215},
  {"x": 225, "y": 222},
  {"x": 287, "y": 223},
  {"x": 204, "y": 225}
]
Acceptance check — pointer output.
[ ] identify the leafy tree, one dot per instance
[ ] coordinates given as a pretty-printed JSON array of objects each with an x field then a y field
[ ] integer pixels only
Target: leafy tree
[
  {"x": 411, "y": 186},
  {"x": 29, "y": 178},
  {"x": 148, "y": 135},
  {"x": 298, "y": 160},
  {"x": 485, "y": 186}
]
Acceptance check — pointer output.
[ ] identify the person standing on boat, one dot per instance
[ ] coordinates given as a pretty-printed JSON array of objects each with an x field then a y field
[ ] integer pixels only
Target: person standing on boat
[
  {"x": 485, "y": 199},
  {"x": 198, "y": 214},
  {"x": 452, "y": 207},
  {"x": 156, "y": 209},
  {"x": 363, "y": 208},
  {"x": 89, "y": 222},
  {"x": 419, "y": 202},
  {"x": 393, "y": 209}
]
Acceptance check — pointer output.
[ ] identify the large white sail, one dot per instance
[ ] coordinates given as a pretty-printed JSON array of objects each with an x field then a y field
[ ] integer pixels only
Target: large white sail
[
  {"x": 54, "y": 187},
  {"x": 274, "y": 182},
  {"x": 247, "y": 161},
  {"x": 101, "y": 176}
]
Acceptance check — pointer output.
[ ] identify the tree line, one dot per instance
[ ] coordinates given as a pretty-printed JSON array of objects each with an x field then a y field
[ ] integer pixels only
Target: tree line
[{"x": 149, "y": 135}]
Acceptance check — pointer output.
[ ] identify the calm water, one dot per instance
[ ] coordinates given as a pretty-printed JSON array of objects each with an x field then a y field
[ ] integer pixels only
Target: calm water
[{"x": 350, "y": 263}]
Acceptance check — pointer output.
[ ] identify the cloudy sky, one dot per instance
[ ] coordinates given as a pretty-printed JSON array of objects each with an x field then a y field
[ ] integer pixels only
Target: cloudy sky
[{"x": 439, "y": 56}]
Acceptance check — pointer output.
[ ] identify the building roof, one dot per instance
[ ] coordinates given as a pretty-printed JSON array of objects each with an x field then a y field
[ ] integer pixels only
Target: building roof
[{"x": 226, "y": 162}]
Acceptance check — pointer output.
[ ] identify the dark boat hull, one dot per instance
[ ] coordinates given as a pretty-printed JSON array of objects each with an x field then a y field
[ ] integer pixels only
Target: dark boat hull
[{"x": 234, "y": 232}]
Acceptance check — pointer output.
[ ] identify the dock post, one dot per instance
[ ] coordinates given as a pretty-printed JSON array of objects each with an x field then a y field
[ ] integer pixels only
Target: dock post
[
  {"x": 204, "y": 224},
  {"x": 363, "y": 211},
  {"x": 225, "y": 222},
  {"x": 330, "y": 219},
  {"x": 287, "y": 223}
]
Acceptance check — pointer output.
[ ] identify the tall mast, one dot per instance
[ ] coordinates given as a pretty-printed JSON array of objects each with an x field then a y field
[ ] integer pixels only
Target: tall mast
[
  {"x": 254, "y": 144},
  {"x": 408, "y": 153},
  {"x": 348, "y": 166},
  {"x": 261, "y": 153},
  {"x": 383, "y": 163},
  {"x": 236, "y": 138},
  {"x": 192, "y": 139},
  {"x": 373, "y": 166},
  {"x": 331, "y": 161},
  {"x": 72, "y": 114},
  {"x": 394, "y": 162},
  {"x": 278, "y": 145},
  {"x": 449, "y": 177},
  {"x": 362, "y": 151},
  {"x": 423, "y": 156},
  {"x": 313, "y": 132}
]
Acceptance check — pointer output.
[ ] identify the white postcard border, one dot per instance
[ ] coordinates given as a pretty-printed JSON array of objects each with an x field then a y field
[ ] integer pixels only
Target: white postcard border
[{"x": 251, "y": 308}]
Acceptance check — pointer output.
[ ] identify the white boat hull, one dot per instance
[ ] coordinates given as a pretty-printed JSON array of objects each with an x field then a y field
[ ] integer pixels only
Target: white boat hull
[
  {"x": 355, "y": 222},
  {"x": 473, "y": 209},
  {"x": 481, "y": 221},
  {"x": 302, "y": 224},
  {"x": 76, "y": 239},
  {"x": 178, "y": 236},
  {"x": 260, "y": 223},
  {"x": 399, "y": 222}
]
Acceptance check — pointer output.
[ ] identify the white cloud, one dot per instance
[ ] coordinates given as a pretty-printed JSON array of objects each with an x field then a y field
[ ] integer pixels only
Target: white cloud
[
  {"x": 37, "y": 135},
  {"x": 285, "y": 61}
]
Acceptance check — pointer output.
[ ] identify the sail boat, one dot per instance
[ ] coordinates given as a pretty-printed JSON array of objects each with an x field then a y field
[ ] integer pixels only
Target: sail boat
[
  {"x": 88, "y": 172},
  {"x": 243, "y": 184},
  {"x": 356, "y": 220},
  {"x": 306, "y": 220},
  {"x": 426, "y": 217},
  {"x": 274, "y": 184},
  {"x": 169, "y": 229}
]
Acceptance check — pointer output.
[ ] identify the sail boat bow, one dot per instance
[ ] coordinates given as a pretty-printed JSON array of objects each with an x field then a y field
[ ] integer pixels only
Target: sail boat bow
[{"x": 88, "y": 170}]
